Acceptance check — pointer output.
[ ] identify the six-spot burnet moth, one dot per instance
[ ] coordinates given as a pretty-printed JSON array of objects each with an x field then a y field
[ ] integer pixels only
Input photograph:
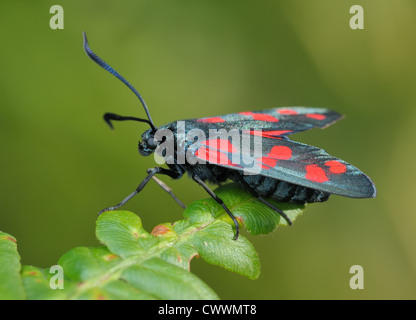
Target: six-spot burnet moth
[{"x": 281, "y": 169}]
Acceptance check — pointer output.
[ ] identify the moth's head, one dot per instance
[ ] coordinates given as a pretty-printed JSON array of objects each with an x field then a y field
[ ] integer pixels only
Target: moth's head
[{"x": 148, "y": 144}]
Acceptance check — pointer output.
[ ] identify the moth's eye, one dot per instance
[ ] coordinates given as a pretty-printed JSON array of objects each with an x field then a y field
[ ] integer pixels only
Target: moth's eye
[{"x": 151, "y": 143}]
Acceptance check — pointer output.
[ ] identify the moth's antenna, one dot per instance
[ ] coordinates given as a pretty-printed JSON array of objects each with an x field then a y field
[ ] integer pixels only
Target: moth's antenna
[
  {"x": 111, "y": 116},
  {"x": 105, "y": 66}
]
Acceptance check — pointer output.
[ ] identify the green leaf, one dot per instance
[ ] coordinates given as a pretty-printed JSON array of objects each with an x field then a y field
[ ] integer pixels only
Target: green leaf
[
  {"x": 123, "y": 233},
  {"x": 36, "y": 283},
  {"x": 96, "y": 274},
  {"x": 11, "y": 286},
  {"x": 257, "y": 217},
  {"x": 215, "y": 245},
  {"x": 136, "y": 264},
  {"x": 166, "y": 281},
  {"x": 115, "y": 290},
  {"x": 178, "y": 244}
]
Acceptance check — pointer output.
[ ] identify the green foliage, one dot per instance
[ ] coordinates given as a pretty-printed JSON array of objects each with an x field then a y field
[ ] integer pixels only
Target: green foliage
[
  {"x": 136, "y": 264},
  {"x": 10, "y": 283}
]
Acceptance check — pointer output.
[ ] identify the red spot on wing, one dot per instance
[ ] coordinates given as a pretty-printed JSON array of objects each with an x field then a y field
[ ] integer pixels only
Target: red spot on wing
[
  {"x": 211, "y": 120},
  {"x": 216, "y": 151},
  {"x": 336, "y": 167},
  {"x": 269, "y": 134},
  {"x": 315, "y": 173},
  {"x": 267, "y": 163},
  {"x": 260, "y": 116},
  {"x": 287, "y": 111},
  {"x": 213, "y": 156},
  {"x": 316, "y": 116},
  {"x": 276, "y": 153},
  {"x": 220, "y": 144},
  {"x": 281, "y": 153}
]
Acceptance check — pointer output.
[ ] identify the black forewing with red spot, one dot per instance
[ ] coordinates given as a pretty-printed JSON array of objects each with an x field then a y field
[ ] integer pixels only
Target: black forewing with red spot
[
  {"x": 312, "y": 167},
  {"x": 282, "y": 158},
  {"x": 273, "y": 122},
  {"x": 293, "y": 162}
]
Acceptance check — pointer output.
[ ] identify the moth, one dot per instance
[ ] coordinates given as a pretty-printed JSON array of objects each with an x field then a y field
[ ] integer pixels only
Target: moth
[{"x": 283, "y": 169}]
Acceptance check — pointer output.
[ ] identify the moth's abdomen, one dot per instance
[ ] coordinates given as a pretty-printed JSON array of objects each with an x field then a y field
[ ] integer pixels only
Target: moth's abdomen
[{"x": 281, "y": 190}]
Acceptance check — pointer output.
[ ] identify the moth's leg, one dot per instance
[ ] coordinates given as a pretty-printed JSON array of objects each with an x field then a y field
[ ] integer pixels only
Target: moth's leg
[
  {"x": 151, "y": 172},
  {"x": 165, "y": 187},
  {"x": 261, "y": 199},
  {"x": 218, "y": 199}
]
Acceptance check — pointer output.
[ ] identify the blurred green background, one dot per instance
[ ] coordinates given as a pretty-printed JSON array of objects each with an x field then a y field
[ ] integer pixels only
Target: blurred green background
[{"x": 60, "y": 163}]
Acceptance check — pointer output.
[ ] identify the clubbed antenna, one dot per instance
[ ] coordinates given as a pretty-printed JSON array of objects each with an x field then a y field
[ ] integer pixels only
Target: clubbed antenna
[{"x": 105, "y": 66}]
